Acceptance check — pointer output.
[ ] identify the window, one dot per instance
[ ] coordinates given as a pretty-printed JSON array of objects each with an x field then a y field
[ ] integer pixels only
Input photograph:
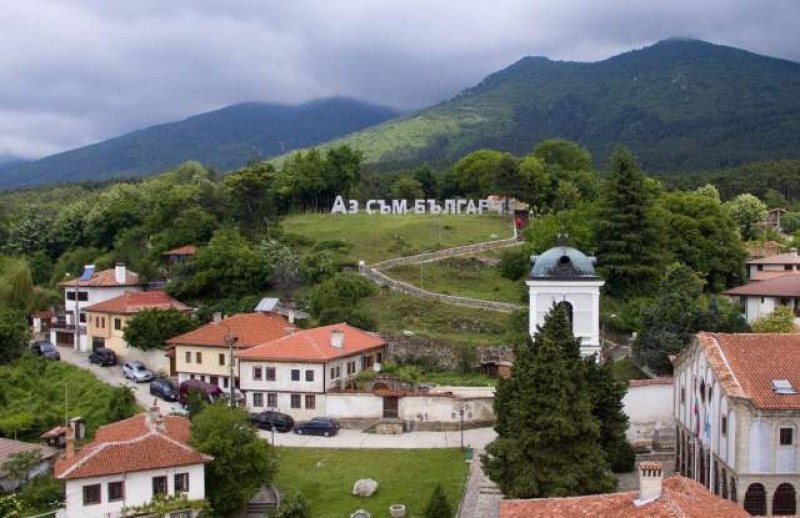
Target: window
[
  {"x": 786, "y": 438},
  {"x": 787, "y": 267},
  {"x": 309, "y": 375},
  {"x": 91, "y": 494},
  {"x": 198, "y": 357},
  {"x": 222, "y": 359},
  {"x": 333, "y": 372},
  {"x": 256, "y": 373},
  {"x": 295, "y": 374},
  {"x": 181, "y": 514},
  {"x": 214, "y": 380},
  {"x": 117, "y": 324},
  {"x": 188, "y": 357},
  {"x": 103, "y": 322},
  {"x": 225, "y": 382},
  {"x": 338, "y": 371},
  {"x": 270, "y": 373},
  {"x": 82, "y": 296},
  {"x": 379, "y": 358},
  {"x": 159, "y": 486},
  {"x": 116, "y": 491},
  {"x": 82, "y": 318},
  {"x": 258, "y": 399},
  {"x": 310, "y": 401},
  {"x": 295, "y": 401},
  {"x": 181, "y": 482},
  {"x": 272, "y": 400},
  {"x": 724, "y": 426},
  {"x": 683, "y": 395}
]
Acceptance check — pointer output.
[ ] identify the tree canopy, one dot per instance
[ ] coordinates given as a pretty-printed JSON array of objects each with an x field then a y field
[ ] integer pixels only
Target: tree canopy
[{"x": 151, "y": 328}]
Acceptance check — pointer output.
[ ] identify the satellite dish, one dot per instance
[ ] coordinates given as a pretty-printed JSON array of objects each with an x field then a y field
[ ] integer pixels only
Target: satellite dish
[{"x": 376, "y": 367}]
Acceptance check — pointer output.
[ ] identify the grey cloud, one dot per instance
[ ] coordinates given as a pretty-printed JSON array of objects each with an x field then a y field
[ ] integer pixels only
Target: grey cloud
[{"x": 83, "y": 71}]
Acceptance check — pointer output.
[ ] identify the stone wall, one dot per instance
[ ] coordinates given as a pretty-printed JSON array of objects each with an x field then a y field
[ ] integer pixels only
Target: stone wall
[
  {"x": 448, "y": 252},
  {"x": 649, "y": 407}
]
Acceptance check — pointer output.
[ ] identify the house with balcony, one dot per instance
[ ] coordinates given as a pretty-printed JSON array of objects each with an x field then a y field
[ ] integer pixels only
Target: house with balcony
[
  {"x": 295, "y": 372},
  {"x": 90, "y": 288},
  {"x": 106, "y": 322},
  {"x": 129, "y": 463},
  {"x": 205, "y": 353},
  {"x": 737, "y": 409},
  {"x": 762, "y": 297}
]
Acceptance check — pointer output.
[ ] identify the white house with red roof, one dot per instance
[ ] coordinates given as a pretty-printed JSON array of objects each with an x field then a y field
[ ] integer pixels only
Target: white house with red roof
[
  {"x": 129, "y": 463},
  {"x": 737, "y": 412},
  {"x": 295, "y": 372},
  {"x": 763, "y": 268},
  {"x": 760, "y": 298}
]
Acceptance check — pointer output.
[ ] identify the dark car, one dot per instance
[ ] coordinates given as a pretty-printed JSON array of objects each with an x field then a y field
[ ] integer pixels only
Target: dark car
[
  {"x": 271, "y": 419},
  {"x": 326, "y": 426},
  {"x": 47, "y": 350},
  {"x": 164, "y": 388},
  {"x": 208, "y": 392},
  {"x": 103, "y": 357}
]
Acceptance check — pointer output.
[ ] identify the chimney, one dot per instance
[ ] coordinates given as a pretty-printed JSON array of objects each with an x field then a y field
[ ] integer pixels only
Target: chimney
[
  {"x": 290, "y": 315},
  {"x": 793, "y": 251},
  {"x": 217, "y": 317},
  {"x": 119, "y": 273},
  {"x": 70, "y": 442},
  {"x": 650, "y": 477},
  {"x": 155, "y": 419},
  {"x": 337, "y": 338}
]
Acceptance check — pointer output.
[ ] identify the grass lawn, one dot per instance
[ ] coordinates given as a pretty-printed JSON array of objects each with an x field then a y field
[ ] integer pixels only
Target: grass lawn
[
  {"x": 326, "y": 476},
  {"x": 625, "y": 370},
  {"x": 445, "y": 323},
  {"x": 464, "y": 276},
  {"x": 378, "y": 237}
]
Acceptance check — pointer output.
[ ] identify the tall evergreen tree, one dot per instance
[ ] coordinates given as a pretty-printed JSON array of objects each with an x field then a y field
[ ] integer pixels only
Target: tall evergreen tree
[
  {"x": 438, "y": 506},
  {"x": 627, "y": 234},
  {"x": 548, "y": 439},
  {"x": 607, "y": 393}
]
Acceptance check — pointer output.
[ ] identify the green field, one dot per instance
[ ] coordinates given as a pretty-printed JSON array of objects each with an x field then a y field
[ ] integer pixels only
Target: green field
[
  {"x": 379, "y": 237},
  {"x": 464, "y": 276},
  {"x": 326, "y": 476}
]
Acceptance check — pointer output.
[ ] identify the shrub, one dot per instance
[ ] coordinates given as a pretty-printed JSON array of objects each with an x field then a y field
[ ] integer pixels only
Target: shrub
[{"x": 515, "y": 263}]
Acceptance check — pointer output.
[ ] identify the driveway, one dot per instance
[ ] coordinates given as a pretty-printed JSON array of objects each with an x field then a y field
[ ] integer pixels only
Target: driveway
[{"x": 476, "y": 438}]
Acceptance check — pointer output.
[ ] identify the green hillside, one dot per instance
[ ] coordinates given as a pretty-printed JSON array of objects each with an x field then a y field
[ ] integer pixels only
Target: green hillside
[
  {"x": 224, "y": 139},
  {"x": 679, "y": 104}
]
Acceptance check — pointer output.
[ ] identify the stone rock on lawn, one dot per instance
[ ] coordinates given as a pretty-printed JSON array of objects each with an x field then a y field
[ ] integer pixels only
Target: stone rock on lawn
[
  {"x": 365, "y": 487},
  {"x": 360, "y": 513}
]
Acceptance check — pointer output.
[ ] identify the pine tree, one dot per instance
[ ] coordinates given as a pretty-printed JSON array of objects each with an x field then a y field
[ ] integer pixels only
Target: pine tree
[
  {"x": 438, "y": 506},
  {"x": 548, "y": 439},
  {"x": 607, "y": 393},
  {"x": 627, "y": 234}
]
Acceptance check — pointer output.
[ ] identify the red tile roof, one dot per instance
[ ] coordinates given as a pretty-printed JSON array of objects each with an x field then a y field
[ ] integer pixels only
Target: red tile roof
[
  {"x": 746, "y": 364},
  {"x": 182, "y": 250},
  {"x": 250, "y": 329},
  {"x": 104, "y": 279},
  {"x": 679, "y": 497},
  {"x": 135, "y": 301},
  {"x": 787, "y": 285},
  {"x": 788, "y": 258},
  {"x": 134, "y": 444},
  {"x": 314, "y": 345}
]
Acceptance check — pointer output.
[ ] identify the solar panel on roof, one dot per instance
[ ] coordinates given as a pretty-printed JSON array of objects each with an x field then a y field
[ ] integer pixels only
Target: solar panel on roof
[
  {"x": 267, "y": 304},
  {"x": 87, "y": 272}
]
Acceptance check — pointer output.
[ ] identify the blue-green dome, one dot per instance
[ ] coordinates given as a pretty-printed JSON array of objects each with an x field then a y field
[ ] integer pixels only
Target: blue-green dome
[{"x": 563, "y": 262}]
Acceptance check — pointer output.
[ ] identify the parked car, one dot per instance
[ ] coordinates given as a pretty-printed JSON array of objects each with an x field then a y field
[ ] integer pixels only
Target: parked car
[
  {"x": 272, "y": 419},
  {"x": 137, "y": 372},
  {"x": 209, "y": 392},
  {"x": 239, "y": 397},
  {"x": 164, "y": 388},
  {"x": 103, "y": 357},
  {"x": 326, "y": 426},
  {"x": 46, "y": 349}
]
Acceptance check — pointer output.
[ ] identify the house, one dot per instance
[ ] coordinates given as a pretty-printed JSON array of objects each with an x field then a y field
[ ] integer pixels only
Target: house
[
  {"x": 10, "y": 448},
  {"x": 765, "y": 268},
  {"x": 737, "y": 412},
  {"x": 296, "y": 371},
  {"x": 90, "y": 288},
  {"x": 773, "y": 219},
  {"x": 657, "y": 497},
  {"x": 760, "y": 298},
  {"x": 129, "y": 463},
  {"x": 179, "y": 255},
  {"x": 106, "y": 322},
  {"x": 205, "y": 352}
]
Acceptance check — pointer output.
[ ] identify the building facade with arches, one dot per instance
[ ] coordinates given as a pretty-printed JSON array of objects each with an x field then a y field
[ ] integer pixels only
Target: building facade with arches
[{"x": 737, "y": 413}]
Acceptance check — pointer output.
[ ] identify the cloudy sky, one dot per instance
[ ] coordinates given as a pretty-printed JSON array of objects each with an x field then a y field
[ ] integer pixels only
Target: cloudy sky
[{"x": 74, "y": 72}]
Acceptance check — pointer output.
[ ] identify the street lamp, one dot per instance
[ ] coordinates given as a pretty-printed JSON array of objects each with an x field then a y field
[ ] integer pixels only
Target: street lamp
[
  {"x": 462, "y": 407},
  {"x": 230, "y": 339}
]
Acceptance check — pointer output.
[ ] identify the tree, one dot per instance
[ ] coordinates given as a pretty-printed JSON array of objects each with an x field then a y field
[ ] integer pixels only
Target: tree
[
  {"x": 607, "y": 393},
  {"x": 343, "y": 291},
  {"x": 515, "y": 263},
  {"x": 285, "y": 265},
  {"x": 250, "y": 195},
  {"x": 242, "y": 461},
  {"x": 537, "y": 190},
  {"x": 151, "y": 328},
  {"x": 779, "y": 321},
  {"x": 16, "y": 286},
  {"x": 747, "y": 211},
  {"x": 13, "y": 334},
  {"x": 565, "y": 154},
  {"x": 474, "y": 175},
  {"x": 628, "y": 238},
  {"x": 121, "y": 405},
  {"x": 294, "y": 505},
  {"x": 438, "y": 506},
  {"x": 427, "y": 180},
  {"x": 508, "y": 180},
  {"x": 548, "y": 439},
  {"x": 407, "y": 188}
]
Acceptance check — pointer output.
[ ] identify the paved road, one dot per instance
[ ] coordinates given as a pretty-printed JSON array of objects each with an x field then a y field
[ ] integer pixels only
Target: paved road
[{"x": 476, "y": 438}]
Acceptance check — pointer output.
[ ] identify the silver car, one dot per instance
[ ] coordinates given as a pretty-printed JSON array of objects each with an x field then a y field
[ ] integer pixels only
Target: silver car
[{"x": 137, "y": 372}]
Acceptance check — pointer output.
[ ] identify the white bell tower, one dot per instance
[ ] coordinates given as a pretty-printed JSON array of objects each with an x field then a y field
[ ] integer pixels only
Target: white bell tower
[{"x": 565, "y": 275}]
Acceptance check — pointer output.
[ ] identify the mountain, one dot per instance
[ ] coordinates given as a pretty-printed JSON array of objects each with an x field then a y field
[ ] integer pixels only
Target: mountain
[
  {"x": 224, "y": 139},
  {"x": 679, "y": 105}
]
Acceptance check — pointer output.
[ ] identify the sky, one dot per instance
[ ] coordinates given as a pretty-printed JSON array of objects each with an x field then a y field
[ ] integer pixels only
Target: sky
[{"x": 74, "y": 72}]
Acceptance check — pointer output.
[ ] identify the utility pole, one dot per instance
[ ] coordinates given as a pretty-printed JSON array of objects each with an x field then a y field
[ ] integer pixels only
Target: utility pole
[
  {"x": 77, "y": 344},
  {"x": 230, "y": 339}
]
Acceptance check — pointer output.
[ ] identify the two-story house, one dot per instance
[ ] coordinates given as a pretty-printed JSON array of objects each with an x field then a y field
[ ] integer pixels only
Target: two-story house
[
  {"x": 737, "y": 410},
  {"x": 760, "y": 298},
  {"x": 106, "y": 321},
  {"x": 129, "y": 463},
  {"x": 293, "y": 373},
  {"x": 763, "y": 268},
  {"x": 205, "y": 353},
  {"x": 90, "y": 288}
]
